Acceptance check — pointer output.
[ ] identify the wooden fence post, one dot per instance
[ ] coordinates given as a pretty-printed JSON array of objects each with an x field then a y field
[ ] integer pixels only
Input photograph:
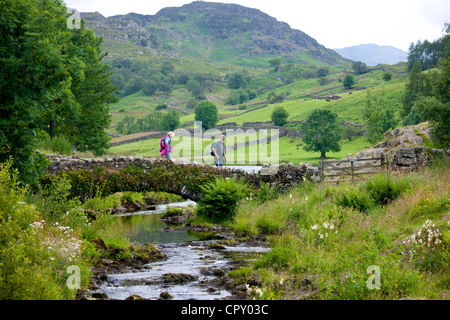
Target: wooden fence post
[
  {"x": 352, "y": 169},
  {"x": 321, "y": 170}
]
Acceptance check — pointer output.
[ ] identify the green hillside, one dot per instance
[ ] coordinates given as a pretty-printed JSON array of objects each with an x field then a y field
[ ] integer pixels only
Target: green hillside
[{"x": 184, "y": 55}]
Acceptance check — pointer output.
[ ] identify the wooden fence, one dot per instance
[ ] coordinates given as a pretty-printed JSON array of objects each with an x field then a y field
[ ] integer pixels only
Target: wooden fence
[{"x": 354, "y": 168}]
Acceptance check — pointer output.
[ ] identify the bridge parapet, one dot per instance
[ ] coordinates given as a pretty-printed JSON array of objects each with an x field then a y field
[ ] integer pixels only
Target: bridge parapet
[{"x": 180, "y": 176}]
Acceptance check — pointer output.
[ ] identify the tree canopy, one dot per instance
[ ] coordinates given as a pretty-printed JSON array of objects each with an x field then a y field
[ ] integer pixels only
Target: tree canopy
[
  {"x": 436, "y": 108},
  {"x": 207, "y": 113},
  {"x": 279, "y": 116},
  {"x": 321, "y": 132},
  {"x": 51, "y": 79}
]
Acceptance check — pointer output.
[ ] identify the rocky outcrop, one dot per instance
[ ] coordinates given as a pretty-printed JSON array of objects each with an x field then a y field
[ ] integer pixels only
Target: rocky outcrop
[{"x": 404, "y": 148}]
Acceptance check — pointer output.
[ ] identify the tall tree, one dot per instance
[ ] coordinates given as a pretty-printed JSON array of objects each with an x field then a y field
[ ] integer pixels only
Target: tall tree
[
  {"x": 321, "y": 132},
  {"x": 93, "y": 91},
  {"x": 52, "y": 79},
  {"x": 419, "y": 84},
  {"x": 349, "y": 81},
  {"x": 436, "y": 109},
  {"x": 33, "y": 76},
  {"x": 377, "y": 117}
]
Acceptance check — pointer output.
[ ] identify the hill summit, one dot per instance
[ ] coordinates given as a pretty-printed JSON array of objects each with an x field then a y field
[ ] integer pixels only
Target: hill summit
[
  {"x": 373, "y": 54},
  {"x": 213, "y": 31}
]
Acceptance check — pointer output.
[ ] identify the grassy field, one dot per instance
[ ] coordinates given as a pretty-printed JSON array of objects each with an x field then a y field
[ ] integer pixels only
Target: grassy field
[
  {"x": 195, "y": 149},
  {"x": 326, "y": 249},
  {"x": 300, "y": 101}
]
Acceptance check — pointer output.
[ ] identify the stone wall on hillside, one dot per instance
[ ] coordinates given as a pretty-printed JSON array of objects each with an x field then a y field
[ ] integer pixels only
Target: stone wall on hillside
[{"x": 188, "y": 132}]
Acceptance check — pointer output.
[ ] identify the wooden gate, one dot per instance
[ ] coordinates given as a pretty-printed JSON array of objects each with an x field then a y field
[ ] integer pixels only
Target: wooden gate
[{"x": 354, "y": 168}]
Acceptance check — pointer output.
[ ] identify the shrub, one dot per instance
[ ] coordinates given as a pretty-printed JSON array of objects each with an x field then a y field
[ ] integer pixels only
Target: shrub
[
  {"x": 384, "y": 189},
  {"x": 220, "y": 199},
  {"x": 31, "y": 256},
  {"x": 355, "y": 199}
]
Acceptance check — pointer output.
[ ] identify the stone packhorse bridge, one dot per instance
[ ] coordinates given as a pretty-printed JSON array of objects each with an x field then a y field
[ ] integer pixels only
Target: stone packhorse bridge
[{"x": 109, "y": 175}]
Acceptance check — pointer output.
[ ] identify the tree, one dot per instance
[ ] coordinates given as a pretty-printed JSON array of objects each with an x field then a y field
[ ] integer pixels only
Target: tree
[
  {"x": 170, "y": 120},
  {"x": 322, "y": 72},
  {"x": 93, "y": 92},
  {"x": 436, "y": 109},
  {"x": 279, "y": 116},
  {"x": 275, "y": 64},
  {"x": 419, "y": 84},
  {"x": 377, "y": 118},
  {"x": 349, "y": 81},
  {"x": 321, "y": 132},
  {"x": 34, "y": 77},
  {"x": 207, "y": 113},
  {"x": 387, "y": 76},
  {"x": 360, "y": 67},
  {"x": 51, "y": 78},
  {"x": 237, "y": 80},
  {"x": 149, "y": 87},
  {"x": 195, "y": 88}
]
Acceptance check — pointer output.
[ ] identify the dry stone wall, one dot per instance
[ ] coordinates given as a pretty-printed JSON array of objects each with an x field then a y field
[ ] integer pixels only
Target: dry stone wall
[{"x": 281, "y": 176}]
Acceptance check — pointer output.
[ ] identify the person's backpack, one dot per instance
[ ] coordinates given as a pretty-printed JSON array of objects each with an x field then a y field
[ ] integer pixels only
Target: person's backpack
[{"x": 162, "y": 144}]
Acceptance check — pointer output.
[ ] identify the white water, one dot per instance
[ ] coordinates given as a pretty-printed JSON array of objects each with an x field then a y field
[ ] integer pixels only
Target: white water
[{"x": 184, "y": 256}]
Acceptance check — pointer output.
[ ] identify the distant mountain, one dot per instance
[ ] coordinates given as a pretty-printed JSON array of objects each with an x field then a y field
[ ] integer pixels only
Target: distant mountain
[
  {"x": 213, "y": 31},
  {"x": 373, "y": 54}
]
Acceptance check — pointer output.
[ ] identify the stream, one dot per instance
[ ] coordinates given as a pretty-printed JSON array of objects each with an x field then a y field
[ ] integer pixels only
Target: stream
[{"x": 195, "y": 261}]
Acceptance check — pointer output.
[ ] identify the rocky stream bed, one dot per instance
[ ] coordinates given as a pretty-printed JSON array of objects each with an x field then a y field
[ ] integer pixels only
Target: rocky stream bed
[{"x": 187, "y": 263}]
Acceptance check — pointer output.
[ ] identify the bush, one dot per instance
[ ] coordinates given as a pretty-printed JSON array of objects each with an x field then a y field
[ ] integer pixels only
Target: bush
[
  {"x": 220, "y": 199},
  {"x": 383, "y": 189},
  {"x": 279, "y": 116},
  {"x": 32, "y": 252},
  {"x": 355, "y": 199}
]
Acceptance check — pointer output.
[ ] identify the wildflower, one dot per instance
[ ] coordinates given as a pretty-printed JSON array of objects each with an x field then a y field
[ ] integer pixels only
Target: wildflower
[{"x": 314, "y": 227}]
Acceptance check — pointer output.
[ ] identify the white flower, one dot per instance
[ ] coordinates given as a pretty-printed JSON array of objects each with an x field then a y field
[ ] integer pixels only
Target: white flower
[
  {"x": 325, "y": 225},
  {"x": 314, "y": 227}
]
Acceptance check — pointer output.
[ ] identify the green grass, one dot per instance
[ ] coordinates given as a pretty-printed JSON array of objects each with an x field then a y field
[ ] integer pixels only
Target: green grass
[
  {"x": 325, "y": 250},
  {"x": 289, "y": 150}
]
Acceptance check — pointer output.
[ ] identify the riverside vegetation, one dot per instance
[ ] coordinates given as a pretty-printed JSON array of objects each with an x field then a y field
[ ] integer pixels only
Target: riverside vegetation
[{"x": 324, "y": 237}]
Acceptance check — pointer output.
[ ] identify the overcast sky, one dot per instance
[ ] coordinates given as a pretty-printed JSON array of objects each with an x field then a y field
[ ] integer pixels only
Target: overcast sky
[{"x": 333, "y": 23}]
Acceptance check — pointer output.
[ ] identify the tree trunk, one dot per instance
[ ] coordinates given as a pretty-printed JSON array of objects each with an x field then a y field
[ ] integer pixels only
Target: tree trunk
[
  {"x": 52, "y": 129},
  {"x": 322, "y": 155}
]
